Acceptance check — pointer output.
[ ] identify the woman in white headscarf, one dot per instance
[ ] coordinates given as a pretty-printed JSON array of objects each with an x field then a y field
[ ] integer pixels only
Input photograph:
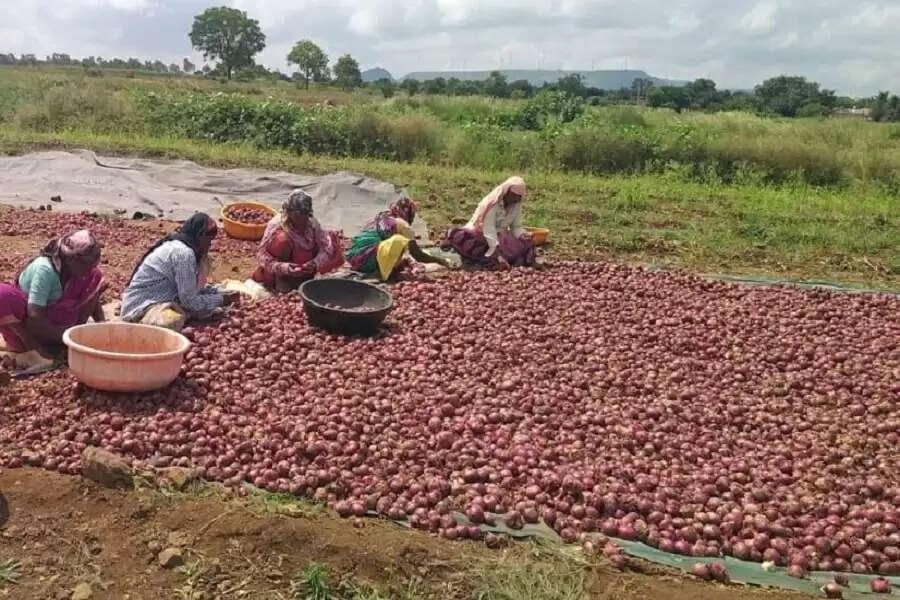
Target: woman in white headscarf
[{"x": 494, "y": 234}]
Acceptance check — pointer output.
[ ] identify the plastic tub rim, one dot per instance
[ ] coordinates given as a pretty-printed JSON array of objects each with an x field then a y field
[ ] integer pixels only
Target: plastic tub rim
[
  {"x": 307, "y": 298},
  {"x": 70, "y": 343}
]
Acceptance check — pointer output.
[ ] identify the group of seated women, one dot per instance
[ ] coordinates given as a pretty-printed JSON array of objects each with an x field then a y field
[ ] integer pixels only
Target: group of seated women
[{"x": 169, "y": 285}]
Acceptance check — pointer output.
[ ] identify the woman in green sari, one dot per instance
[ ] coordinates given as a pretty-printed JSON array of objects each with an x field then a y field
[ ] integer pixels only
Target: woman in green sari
[{"x": 384, "y": 242}]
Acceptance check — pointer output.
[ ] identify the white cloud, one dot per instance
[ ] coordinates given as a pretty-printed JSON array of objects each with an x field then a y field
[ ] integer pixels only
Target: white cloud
[
  {"x": 846, "y": 46},
  {"x": 761, "y": 18}
]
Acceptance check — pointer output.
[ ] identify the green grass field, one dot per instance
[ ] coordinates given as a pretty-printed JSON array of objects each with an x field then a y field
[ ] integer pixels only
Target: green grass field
[{"x": 725, "y": 193}]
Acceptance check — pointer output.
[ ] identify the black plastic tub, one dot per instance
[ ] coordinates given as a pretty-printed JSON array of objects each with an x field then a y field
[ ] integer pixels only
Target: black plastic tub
[{"x": 345, "y": 306}]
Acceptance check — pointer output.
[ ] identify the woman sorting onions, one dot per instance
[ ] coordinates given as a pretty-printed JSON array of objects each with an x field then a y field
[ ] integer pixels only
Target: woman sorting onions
[
  {"x": 169, "y": 287},
  {"x": 384, "y": 241},
  {"x": 295, "y": 247},
  {"x": 58, "y": 289},
  {"x": 494, "y": 235}
]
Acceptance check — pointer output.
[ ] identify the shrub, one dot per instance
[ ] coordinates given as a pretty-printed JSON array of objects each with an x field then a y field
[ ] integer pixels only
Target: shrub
[{"x": 595, "y": 150}]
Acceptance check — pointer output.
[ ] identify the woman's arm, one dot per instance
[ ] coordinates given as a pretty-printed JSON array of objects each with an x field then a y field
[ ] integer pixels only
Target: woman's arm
[
  {"x": 423, "y": 257},
  {"x": 41, "y": 328},
  {"x": 189, "y": 296},
  {"x": 274, "y": 257}
]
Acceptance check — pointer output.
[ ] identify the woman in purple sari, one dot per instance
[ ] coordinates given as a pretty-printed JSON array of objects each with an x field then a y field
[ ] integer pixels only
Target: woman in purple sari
[
  {"x": 58, "y": 289},
  {"x": 494, "y": 235}
]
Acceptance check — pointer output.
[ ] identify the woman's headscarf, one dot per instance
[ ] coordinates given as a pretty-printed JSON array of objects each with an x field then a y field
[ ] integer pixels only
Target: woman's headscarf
[
  {"x": 405, "y": 208},
  {"x": 80, "y": 243},
  {"x": 514, "y": 184},
  {"x": 200, "y": 224},
  {"x": 299, "y": 201}
]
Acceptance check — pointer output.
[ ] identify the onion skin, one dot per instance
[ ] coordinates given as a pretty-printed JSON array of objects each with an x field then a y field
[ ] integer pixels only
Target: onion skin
[{"x": 832, "y": 590}]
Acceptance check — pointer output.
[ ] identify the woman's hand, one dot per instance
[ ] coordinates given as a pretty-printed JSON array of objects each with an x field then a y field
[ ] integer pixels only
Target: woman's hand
[{"x": 307, "y": 270}]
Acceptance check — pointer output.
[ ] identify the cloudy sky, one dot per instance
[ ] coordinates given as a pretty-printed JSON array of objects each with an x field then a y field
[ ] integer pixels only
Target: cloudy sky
[{"x": 848, "y": 46}]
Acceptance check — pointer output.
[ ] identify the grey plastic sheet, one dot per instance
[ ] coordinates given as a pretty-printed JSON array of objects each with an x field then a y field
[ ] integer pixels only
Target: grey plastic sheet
[{"x": 175, "y": 189}]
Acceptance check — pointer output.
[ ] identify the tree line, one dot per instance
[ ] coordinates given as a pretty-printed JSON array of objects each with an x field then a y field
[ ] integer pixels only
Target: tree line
[
  {"x": 98, "y": 62},
  {"x": 232, "y": 39}
]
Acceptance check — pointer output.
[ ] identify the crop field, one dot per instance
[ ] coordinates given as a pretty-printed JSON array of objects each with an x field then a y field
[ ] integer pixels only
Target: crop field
[
  {"x": 592, "y": 404},
  {"x": 725, "y": 193}
]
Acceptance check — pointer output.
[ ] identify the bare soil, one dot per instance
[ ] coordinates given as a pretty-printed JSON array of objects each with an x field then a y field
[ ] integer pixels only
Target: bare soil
[{"x": 65, "y": 530}]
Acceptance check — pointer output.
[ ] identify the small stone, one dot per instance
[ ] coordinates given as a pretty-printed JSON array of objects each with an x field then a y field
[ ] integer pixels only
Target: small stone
[
  {"x": 106, "y": 468},
  {"x": 82, "y": 591},
  {"x": 31, "y": 458},
  {"x": 170, "y": 558}
]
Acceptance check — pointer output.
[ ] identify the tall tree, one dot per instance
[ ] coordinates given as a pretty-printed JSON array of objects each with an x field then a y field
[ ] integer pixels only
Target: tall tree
[
  {"x": 411, "y": 86},
  {"x": 785, "y": 95},
  {"x": 572, "y": 84},
  {"x": 313, "y": 63},
  {"x": 496, "y": 85},
  {"x": 227, "y": 35},
  {"x": 346, "y": 72},
  {"x": 641, "y": 87},
  {"x": 187, "y": 66},
  {"x": 386, "y": 86}
]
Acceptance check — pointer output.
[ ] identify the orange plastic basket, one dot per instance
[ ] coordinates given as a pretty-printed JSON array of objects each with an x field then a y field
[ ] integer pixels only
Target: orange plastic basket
[
  {"x": 245, "y": 231},
  {"x": 539, "y": 235}
]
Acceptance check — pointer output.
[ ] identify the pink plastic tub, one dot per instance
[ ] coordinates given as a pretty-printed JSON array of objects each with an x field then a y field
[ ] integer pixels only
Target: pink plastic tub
[{"x": 125, "y": 357}]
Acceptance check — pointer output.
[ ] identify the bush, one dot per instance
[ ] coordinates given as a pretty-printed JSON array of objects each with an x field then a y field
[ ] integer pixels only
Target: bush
[
  {"x": 84, "y": 106},
  {"x": 548, "y": 106},
  {"x": 782, "y": 158},
  {"x": 593, "y": 150}
]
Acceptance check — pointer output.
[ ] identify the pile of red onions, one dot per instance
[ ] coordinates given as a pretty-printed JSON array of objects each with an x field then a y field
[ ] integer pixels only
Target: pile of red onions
[
  {"x": 248, "y": 215},
  {"x": 702, "y": 418}
]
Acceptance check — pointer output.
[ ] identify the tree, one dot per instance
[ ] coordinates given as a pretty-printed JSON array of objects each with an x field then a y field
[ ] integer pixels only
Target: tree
[
  {"x": 702, "y": 93},
  {"x": 572, "y": 84},
  {"x": 411, "y": 86},
  {"x": 173, "y": 68},
  {"x": 523, "y": 86},
  {"x": 227, "y": 35},
  {"x": 310, "y": 59},
  {"x": 674, "y": 97},
  {"x": 641, "y": 87},
  {"x": 386, "y": 86},
  {"x": 495, "y": 85},
  {"x": 187, "y": 66},
  {"x": 785, "y": 95},
  {"x": 346, "y": 72},
  {"x": 435, "y": 86}
]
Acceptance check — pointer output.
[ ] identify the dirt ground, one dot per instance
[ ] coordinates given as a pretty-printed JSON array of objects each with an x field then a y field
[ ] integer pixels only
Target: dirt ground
[
  {"x": 65, "y": 530},
  {"x": 62, "y": 531}
]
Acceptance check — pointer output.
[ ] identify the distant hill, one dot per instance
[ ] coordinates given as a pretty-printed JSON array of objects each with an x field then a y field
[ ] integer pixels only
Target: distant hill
[
  {"x": 604, "y": 80},
  {"x": 370, "y": 75}
]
